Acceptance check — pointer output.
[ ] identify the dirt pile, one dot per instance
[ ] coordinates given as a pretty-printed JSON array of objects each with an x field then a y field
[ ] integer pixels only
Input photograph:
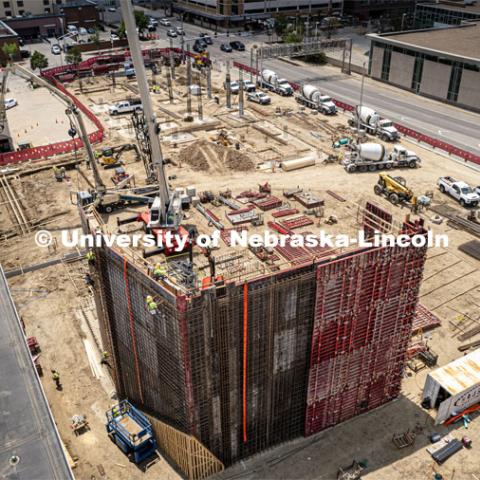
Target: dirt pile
[{"x": 209, "y": 156}]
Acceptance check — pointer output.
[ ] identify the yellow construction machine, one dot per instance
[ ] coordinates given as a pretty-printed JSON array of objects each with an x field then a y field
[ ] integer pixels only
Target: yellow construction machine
[
  {"x": 109, "y": 157},
  {"x": 396, "y": 191}
]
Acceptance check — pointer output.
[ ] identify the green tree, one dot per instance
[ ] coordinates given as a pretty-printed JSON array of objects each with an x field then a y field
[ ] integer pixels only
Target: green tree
[
  {"x": 73, "y": 56},
  {"x": 141, "y": 20},
  {"x": 10, "y": 50},
  {"x": 38, "y": 60},
  {"x": 293, "y": 37},
  {"x": 95, "y": 37},
  {"x": 280, "y": 25}
]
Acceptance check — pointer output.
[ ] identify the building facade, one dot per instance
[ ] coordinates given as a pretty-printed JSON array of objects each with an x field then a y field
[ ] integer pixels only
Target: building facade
[
  {"x": 35, "y": 27},
  {"x": 441, "y": 63},
  {"x": 239, "y": 11},
  {"x": 81, "y": 13},
  {"x": 368, "y": 9},
  {"x": 14, "y": 8},
  {"x": 429, "y": 15}
]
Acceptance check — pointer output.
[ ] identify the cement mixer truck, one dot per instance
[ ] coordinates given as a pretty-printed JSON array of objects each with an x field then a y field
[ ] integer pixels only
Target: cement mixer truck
[
  {"x": 370, "y": 120},
  {"x": 373, "y": 156},
  {"x": 311, "y": 97},
  {"x": 269, "y": 80}
]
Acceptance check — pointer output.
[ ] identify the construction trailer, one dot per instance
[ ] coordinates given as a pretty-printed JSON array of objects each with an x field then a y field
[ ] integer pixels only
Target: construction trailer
[
  {"x": 454, "y": 387},
  {"x": 265, "y": 357}
]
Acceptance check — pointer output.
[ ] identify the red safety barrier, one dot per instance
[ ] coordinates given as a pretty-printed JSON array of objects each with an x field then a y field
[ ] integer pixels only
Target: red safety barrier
[{"x": 45, "y": 151}]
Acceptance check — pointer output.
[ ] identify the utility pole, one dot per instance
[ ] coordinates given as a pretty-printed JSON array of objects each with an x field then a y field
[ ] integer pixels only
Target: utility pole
[
  {"x": 150, "y": 117},
  {"x": 189, "y": 90},
  {"x": 170, "y": 56},
  {"x": 200, "y": 100},
  {"x": 361, "y": 103},
  {"x": 168, "y": 73}
]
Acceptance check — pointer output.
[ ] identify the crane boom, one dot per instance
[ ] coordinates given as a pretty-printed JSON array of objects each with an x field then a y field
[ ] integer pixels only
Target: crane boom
[
  {"x": 150, "y": 117},
  {"x": 22, "y": 71}
]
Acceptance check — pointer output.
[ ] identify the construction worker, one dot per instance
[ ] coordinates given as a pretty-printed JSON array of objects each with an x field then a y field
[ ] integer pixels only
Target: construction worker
[
  {"x": 56, "y": 379},
  {"x": 104, "y": 360},
  {"x": 59, "y": 173},
  {"x": 151, "y": 305},
  {"x": 156, "y": 89},
  {"x": 89, "y": 280},
  {"x": 90, "y": 256},
  {"x": 159, "y": 271}
]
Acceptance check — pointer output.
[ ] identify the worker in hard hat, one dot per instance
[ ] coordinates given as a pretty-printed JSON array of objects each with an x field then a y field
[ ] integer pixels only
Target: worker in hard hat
[
  {"x": 59, "y": 173},
  {"x": 151, "y": 305},
  {"x": 56, "y": 379},
  {"x": 159, "y": 271},
  {"x": 90, "y": 256},
  {"x": 104, "y": 360}
]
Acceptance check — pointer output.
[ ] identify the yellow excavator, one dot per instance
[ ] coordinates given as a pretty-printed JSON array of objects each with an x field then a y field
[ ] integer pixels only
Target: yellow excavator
[
  {"x": 109, "y": 157},
  {"x": 396, "y": 191}
]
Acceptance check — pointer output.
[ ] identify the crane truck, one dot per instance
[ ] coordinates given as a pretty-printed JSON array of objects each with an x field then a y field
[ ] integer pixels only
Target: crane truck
[
  {"x": 368, "y": 119},
  {"x": 311, "y": 97},
  {"x": 270, "y": 80},
  {"x": 374, "y": 156}
]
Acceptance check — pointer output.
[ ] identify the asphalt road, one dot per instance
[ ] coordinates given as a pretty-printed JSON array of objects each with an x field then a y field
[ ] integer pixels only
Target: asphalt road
[{"x": 444, "y": 122}]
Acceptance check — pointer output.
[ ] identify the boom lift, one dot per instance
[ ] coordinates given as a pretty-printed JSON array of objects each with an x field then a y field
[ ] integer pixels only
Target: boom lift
[{"x": 165, "y": 214}]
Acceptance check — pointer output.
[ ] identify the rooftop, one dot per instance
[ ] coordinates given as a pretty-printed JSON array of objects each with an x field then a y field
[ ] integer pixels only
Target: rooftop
[
  {"x": 455, "y": 6},
  {"x": 460, "y": 374},
  {"x": 6, "y": 31},
  {"x": 28, "y": 429},
  {"x": 460, "y": 41}
]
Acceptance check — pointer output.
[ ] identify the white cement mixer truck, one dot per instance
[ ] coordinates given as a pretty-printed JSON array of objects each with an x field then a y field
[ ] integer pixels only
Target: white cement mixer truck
[
  {"x": 368, "y": 119},
  {"x": 269, "y": 80},
  {"x": 311, "y": 97},
  {"x": 373, "y": 156}
]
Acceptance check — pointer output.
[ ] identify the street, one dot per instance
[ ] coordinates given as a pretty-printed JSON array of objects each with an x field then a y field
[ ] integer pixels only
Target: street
[{"x": 453, "y": 125}]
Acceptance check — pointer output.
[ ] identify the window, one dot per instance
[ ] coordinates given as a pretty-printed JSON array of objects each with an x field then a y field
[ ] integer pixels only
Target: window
[
  {"x": 417, "y": 73},
  {"x": 46, "y": 2},
  {"x": 21, "y": 12},
  {"x": 47, "y": 10},
  {"x": 455, "y": 79},
  {"x": 20, "y": 3},
  {"x": 6, "y": 5},
  {"x": 8, "y": 13},
  {"x": 387, "y": 56}
]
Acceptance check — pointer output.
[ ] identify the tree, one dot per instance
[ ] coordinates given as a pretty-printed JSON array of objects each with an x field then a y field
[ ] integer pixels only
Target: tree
[
  {"x": 141, "y": 20},
  {"x": 10, "y": 50},
  {"x": 280, "y": 25},
  {"x": 38, "y": 60},
  {"x": 95, "y": 38},
  {"x": 293, "y": 37},
  {"x": 73, "y": 56}
]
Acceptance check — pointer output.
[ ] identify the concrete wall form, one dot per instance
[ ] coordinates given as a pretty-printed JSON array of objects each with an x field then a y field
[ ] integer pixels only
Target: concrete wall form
[{"x": 322, "y": 344}]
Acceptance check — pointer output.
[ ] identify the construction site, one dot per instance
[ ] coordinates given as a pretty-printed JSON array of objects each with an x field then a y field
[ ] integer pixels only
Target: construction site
[{"x": 248, "y": 361}]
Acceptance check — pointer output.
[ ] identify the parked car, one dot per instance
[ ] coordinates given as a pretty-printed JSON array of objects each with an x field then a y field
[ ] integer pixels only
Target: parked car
[
  {"x": 114, "y": 37},
  {"x": 56, "y": 50},
  {"x": 151, "y": 28},
  {"x": 82, "y": 31},
  {"x": 206, "y": 38},
  {"x": 10, "y": 103},
  {"x": 460, "y": 191},
  {"x": 248, "y": 86},
  {"x": 180, "y": 31},
  {"x": 25, "y": 53},
  {"x": 234, "y": 87},
  {"x": 236, "y": 45},
  {"x": 126, "y": 106},
  {"x": 199, "y": 46},
  {"x": 171, "y": 32},
  {"x": 153, "y": 21},
  {"x": 91, "y": 30},
  {"x": 165, "y": 22},
  {"x": 225, "y": 47},
  {"x": 259, "y": 97},
  {"x": 72, "y": 29},
  {"x": 112, "y": 9}
]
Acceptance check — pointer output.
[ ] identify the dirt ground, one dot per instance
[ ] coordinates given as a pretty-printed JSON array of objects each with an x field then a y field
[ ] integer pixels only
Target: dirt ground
[{"x": 49, "y": 298}]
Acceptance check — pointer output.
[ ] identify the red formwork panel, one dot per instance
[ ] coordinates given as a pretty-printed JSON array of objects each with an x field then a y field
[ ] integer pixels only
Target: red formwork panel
[{"x": 365, "y": 305}]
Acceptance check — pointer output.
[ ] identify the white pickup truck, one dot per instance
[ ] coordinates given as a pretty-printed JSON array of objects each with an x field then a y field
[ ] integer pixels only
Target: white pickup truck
[
  {"x": 460, "y": 191},
  {"x": 126, "y": 106}
]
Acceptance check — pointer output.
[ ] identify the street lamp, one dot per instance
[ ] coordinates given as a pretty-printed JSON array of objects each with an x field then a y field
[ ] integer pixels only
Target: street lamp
[
  {"x": 252, "y": 50},
  {"x": 403, "y": 21},
  {"x": 361, "y": 102}
]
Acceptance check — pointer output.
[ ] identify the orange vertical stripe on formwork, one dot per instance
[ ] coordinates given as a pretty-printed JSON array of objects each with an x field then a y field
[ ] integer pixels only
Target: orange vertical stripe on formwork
[
  {"x": 132, "y": 329},
  {"x": 245, "y": 344}
]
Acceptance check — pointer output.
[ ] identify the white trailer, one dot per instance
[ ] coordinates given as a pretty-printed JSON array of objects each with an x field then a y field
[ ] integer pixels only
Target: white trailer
[{"x": 454, "y": 387}]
